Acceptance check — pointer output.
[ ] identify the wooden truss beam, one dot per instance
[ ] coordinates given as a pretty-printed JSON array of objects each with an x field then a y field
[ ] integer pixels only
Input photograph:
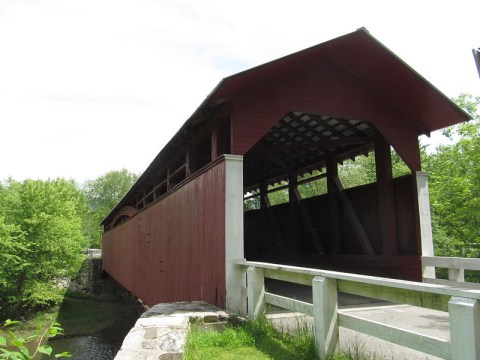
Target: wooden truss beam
[
  {"x": 295, "y": 197},
  {"x": 333, "y": 209},
  {"x": 272, "y": 219},
  {"x": 353, "y": 218},
  {"x": 386, "y": 197},
  {"x": 347, "y": 151}
]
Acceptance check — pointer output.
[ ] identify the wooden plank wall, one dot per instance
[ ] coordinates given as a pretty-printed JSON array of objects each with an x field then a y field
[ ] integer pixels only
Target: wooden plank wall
[
  {"x": 404, "y": 265},
  {"x": 174, "y": 250}
]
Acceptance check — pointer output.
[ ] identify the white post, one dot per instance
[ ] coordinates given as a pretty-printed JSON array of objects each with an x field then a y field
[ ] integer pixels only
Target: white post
[
  {"x": 325, "y": 313},
  {"x": 464, "y": 328},
  {"x": 455, "y": 274},
  {"x": 255, "y": 291},
  {"x": 234, "y": 277},
  {"x": 425, "y": 222}
]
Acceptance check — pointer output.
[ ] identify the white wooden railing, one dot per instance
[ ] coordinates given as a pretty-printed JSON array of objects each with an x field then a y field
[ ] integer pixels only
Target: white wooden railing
[
  {"x": 93, "y": 253},
  {"x": 463, "y": 306},
  {"x": 456, "y": 270}
]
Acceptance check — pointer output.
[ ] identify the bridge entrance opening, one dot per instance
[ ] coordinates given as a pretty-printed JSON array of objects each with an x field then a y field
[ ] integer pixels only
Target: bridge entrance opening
[{"x": 319, "y": 192}]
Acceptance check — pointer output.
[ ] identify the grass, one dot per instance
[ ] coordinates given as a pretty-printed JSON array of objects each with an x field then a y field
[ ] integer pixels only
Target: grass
[{"x": 258, "y": 340}]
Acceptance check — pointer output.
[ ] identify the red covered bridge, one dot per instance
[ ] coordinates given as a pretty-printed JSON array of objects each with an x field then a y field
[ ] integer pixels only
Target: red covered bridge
[{"x": 176, "y": 234}]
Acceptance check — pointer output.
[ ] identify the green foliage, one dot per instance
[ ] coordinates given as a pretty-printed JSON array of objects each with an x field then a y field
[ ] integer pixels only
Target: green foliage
[
  {"x": 358, "y": 172},
  {"x": 13, "y": 347},
  {"x": 102, "y": 195},
  {"x": 314, "y": 188},
  {"x": 42, "y": 295},
  {"x": 41, "y": 238},
  {"x": 280, "y": 196},
  {"x": 455, "y": 186}
]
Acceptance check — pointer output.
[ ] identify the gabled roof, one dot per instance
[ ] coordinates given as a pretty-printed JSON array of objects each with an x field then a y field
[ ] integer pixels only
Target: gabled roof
[
  {"x": 373, "y": 63},
  {"x": 364, "y": 57}
]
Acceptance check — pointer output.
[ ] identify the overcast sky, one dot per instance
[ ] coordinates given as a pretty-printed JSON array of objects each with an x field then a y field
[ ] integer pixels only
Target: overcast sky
[{"x": 89, "y": 86}]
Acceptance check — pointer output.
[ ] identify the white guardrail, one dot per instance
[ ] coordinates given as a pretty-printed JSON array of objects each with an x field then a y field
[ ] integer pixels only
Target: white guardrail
[
  {"x": 456, "y": 270},
  {"x": 463, "y": 306},
  {"x": 93, "y": 253}
]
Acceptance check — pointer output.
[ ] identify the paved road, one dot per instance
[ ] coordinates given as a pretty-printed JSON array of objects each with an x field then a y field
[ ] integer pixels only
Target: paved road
[{"x": 424, "y": 321}]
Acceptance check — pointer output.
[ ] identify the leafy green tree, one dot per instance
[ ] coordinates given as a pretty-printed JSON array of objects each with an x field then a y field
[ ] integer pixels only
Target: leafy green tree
[
  {"x": 102, "y": 194},
  {"x": 40, "y": 235},
  {"x": 455, "y": 186}
]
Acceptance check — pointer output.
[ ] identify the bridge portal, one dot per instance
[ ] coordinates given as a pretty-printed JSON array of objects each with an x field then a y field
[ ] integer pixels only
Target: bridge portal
[{"x": 277, "y": 127}]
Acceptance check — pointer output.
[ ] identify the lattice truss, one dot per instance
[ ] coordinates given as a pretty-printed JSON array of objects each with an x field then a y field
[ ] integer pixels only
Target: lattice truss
[{"x": 303, "y": 142}]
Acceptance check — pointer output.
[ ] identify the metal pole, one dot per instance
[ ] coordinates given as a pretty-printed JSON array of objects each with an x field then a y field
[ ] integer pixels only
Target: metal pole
[{"x": 476, "y": 55}]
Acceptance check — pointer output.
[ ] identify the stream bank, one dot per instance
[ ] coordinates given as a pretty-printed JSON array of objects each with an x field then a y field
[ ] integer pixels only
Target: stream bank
[
  {"x": 96, "y": 314},
  {"x": 94, "y": 328}
]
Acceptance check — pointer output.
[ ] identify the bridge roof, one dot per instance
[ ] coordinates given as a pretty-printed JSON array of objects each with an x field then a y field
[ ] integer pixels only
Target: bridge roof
[{"x": 364, "y": 57}]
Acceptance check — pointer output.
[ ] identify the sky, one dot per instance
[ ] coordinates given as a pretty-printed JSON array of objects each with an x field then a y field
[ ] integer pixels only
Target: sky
[{"x": 90, "y": 86}]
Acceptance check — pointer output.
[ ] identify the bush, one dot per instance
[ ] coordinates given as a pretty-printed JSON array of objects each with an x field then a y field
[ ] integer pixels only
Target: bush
[{"x": 42, "y": 296}]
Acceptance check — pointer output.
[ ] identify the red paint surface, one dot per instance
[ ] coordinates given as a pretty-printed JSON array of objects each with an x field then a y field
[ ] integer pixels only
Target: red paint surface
[
  {"x": 174, "y": 250},
  {"x": 369, "y": 61},
  {"x": 325, "y": 88}
]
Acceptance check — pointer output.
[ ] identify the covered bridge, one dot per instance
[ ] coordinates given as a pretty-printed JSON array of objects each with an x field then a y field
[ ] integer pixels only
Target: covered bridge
[{"x": 176, "y": 234}]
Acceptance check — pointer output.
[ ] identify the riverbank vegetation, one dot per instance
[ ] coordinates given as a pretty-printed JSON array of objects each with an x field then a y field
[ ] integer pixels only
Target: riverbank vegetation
[
  {"x": 44, "y": 228},
  {"x": 80, "y": 315}
]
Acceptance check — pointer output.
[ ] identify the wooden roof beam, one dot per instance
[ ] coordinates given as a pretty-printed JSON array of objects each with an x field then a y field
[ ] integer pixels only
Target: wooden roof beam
[{"x": 325, "y": 144}]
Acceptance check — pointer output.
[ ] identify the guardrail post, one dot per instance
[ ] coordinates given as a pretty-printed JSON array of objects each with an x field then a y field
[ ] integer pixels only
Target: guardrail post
[
  {"x": 425, "y": 222},
  {"x": 255, "y": 291},
  {"x": 325, "y": 313},
  {"x": 464, "y": 328},
  {"x": 234, "y": 277},
  {"x": 455, "y": 274}
]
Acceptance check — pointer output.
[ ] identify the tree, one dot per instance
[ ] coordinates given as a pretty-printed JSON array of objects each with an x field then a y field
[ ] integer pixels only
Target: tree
[
  {"x": 102, "y": 194},
  {"x": 40, "y": 236},
  {"x": 455, "y": 186}
]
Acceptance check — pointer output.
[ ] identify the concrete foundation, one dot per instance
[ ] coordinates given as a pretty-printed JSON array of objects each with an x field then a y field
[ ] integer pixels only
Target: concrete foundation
[{"x": 161, "y": 331}]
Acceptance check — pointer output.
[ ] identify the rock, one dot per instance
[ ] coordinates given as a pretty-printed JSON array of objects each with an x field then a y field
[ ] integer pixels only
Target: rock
[{"x": 161, "y": 331}]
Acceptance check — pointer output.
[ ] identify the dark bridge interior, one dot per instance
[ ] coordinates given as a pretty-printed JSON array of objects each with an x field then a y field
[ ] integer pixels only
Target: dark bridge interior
[{"x": 341, "y": 227}]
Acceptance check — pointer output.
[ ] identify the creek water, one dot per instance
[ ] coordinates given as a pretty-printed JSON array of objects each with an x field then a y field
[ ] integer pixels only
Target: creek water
[
  {"x": 106, "y": 336},
  {"x": 102, "y": 345}
]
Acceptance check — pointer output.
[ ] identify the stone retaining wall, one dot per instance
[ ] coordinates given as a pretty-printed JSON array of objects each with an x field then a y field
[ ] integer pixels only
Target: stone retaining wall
[{"x": 161, "y": 331}]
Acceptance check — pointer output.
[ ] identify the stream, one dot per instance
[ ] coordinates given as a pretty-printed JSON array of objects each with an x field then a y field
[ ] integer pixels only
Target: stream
[
  {"x": 102, "y": 346},
  {"x": 96, "y": 315}
]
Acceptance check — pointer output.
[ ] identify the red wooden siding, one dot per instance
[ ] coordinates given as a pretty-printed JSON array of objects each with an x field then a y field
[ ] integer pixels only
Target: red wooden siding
[{"x": 174, "y": 250}]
